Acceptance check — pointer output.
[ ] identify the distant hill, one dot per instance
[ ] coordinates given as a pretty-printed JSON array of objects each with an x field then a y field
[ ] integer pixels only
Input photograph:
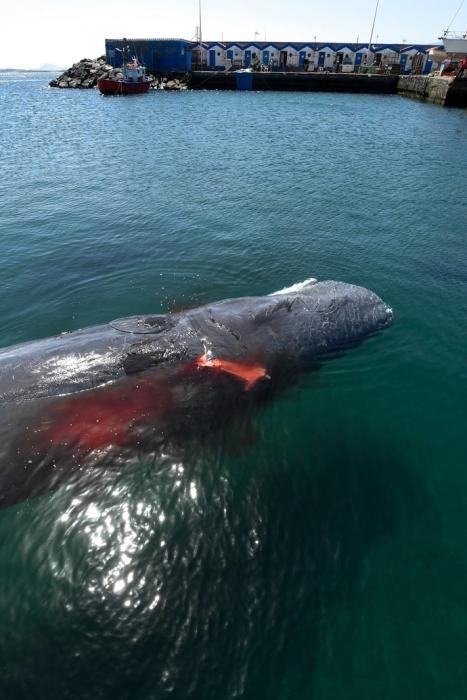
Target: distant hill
[
  {"x": 46, "y": 68},
  {"x": 50, "y": 67}
]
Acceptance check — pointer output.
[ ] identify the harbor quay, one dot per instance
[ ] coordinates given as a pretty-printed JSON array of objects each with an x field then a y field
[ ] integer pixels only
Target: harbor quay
[
  {"x": 176, "y": 64},
  {"x": 297, "y": 82},
  {"x": 450, "y": 92}
]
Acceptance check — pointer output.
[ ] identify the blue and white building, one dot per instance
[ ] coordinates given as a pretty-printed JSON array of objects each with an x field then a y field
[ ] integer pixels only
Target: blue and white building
[
  {"x": 158, "y": 55},
  {"x": 179, "y": 55},
  {"x": 326, "y": 57},
  {"x": 320, "y": 56}
]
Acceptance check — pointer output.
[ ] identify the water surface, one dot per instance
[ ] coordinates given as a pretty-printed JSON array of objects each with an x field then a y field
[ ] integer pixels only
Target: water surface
[{"x": 319, "y": 551}]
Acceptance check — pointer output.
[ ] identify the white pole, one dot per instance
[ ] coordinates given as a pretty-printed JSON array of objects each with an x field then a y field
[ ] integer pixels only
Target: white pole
[
  {"x": 200, "y": 30},
  {"x": 200, "y": 37},
  {"x": 373, "y": 25}
]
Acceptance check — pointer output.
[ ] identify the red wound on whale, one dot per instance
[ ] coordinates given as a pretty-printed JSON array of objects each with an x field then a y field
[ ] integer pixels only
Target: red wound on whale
[
  {"x": 248, "y": 373},
  {"x": 107, "y": 416}
]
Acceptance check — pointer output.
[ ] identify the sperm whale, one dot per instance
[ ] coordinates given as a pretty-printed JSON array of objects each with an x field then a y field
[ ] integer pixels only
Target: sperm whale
[{"x": 103, "y": 394}]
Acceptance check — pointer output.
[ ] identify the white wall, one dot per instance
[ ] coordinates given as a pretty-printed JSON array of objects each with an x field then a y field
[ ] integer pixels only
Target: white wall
[
  {"x": 292, "y": 56},
  {"x": 329, "y": 58},
  {"x": 254, "y": 49},
  {"x": 274, "y": 53},
  {"x": 312, "y": 58},
  {"x": 348, "y": 55},
  {"x": 367, "y": 57},
  {"x": 221, "y": 60},
  {"x": 237, "y": 54}
]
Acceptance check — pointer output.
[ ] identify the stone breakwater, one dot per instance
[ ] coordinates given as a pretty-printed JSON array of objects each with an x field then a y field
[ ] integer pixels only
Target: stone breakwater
[{"x": 87, "y": 72}]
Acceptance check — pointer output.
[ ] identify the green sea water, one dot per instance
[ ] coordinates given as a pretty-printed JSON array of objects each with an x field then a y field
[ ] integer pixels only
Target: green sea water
[{"x": 318, "y": 551}]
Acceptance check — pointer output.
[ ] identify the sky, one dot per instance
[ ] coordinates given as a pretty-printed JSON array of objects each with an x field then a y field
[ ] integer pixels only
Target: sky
[{"x": 61, "y": 32}]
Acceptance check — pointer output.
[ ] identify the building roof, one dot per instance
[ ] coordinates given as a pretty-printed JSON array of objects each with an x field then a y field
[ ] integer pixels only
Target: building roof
[
  {"x": 317, "y": 46},
  {"x": 184, "y": 41},
  {"x": 298, "y": 46}
]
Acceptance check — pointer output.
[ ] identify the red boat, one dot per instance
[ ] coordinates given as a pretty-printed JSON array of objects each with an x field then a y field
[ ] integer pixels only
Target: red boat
[{"x": 133, "y": 81}]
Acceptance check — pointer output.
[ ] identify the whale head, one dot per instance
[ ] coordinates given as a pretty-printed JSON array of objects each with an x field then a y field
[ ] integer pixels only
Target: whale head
[
  {"x": 332, "y": 316},
  {"x": 302, "y": 323}
]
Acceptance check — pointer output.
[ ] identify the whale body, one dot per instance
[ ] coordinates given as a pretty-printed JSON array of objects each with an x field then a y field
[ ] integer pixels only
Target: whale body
[{"x": 111, "y": 393}]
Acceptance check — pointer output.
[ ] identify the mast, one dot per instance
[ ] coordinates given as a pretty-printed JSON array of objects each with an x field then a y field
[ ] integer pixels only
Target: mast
[
  {"x": 200, "y": 29},
  {"x": 200, "y": 37},
  {"x": 455, "y": 15},
  {"x": 373, "y": 26},
  {"x": 124, "y": 52}
]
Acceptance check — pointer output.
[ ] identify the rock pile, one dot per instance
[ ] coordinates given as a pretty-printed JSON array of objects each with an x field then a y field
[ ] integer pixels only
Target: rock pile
[
  {"x": 164, "y": 83},
  {"x": 84, "y": 74},
  {"x": 87, "y": 72}
]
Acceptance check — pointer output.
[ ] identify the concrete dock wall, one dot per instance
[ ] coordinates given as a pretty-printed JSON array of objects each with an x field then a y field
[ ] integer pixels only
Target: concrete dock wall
[
  {"x": 297, "y": 82},
  {"x": 326, "y": 82},
  {"x": 443, "y": 91},
  {"x": 449, "y": 92},
  {"x": 420, "y": 87},
  {"x": 212, "y": 80}
]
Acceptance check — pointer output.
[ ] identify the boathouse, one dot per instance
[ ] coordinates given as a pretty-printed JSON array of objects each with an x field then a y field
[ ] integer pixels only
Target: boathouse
[
  {"x": 345, "y": 58},
  {"x": 251, "y": 55},
  {"x": 408, "y": 55},
  {"x": 385, "y": 55},
  {"x": 158, "y": 55},
  {"x": 326, "y": 57},
  {"x": 217, "y": 57},
  {"x": 363, "y": 57},
  {"x": 270, "y": 55},
  {"x": 306, "y": 57},
  {"x": 234, "y": 55}
]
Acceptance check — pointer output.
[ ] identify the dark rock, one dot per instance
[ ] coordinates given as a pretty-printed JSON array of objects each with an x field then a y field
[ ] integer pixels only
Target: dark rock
[{"x": 85, "y": 74}]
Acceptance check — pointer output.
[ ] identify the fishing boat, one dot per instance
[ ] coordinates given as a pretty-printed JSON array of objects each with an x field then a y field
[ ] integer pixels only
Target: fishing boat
[
  {"x": 454, "y": 42},
  {"x": 133, "y": 80}
]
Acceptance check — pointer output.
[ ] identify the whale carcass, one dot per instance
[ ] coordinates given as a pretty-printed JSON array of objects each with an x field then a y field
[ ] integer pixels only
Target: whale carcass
[{"x": 110, "y": 393}]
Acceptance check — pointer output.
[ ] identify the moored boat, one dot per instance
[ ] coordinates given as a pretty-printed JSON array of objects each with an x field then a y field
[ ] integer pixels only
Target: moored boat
[
  {"x": 133, "y": 81},
  {"x": 455, "y": 43}
]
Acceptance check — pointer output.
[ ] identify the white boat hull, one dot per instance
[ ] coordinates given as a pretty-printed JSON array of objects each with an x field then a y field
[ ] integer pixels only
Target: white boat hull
[{"x": 454, "y": 45}]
